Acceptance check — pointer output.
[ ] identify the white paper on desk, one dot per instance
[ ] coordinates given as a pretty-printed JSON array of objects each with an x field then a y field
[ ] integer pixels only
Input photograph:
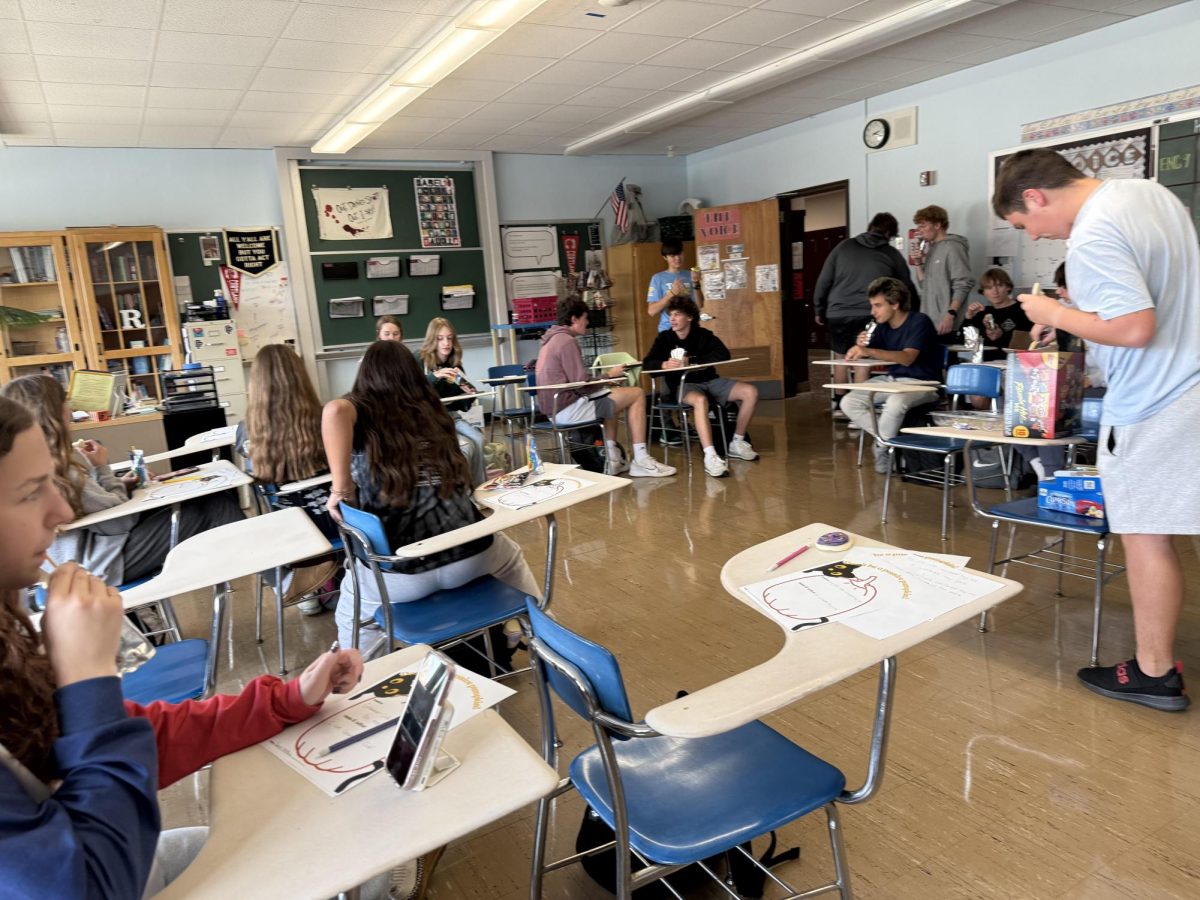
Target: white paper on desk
[
  {"x": 878, "y": 593},
  {"x": 188, "y": 484},
  {"x": 373, "y": 704},
  {"x": 531, "y": 494}
]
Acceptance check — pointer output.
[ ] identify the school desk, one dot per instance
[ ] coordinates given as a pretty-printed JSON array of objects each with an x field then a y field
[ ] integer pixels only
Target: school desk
[
  {"x": 693, "y": 367},
  {"x": 214, "y": 439},
  {"x": 466, "y": 396},
  {"x": 811, "y": 658},
  {"x": 275, "y": 836},
  {"x": 502, "y": 517}
]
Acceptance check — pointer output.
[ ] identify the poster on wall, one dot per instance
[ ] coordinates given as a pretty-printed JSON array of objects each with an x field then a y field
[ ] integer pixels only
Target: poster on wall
[
  {"x": 766, "y": 278},
  {"x": 529, "y": 247},
  {"x": 437, "y": 212},
  {"x": 714, "y": 285},
  {"x": 251, "y": 251},
  {"x": 708, "y": 257},
  {"x": 352, "y": 214},
  {"x": 736, "y": 274},
  {"x": 262, "y": 306}
]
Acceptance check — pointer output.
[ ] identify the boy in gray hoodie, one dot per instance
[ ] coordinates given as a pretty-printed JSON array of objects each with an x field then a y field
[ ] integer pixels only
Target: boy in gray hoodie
[{"x": 943, "y": 270}]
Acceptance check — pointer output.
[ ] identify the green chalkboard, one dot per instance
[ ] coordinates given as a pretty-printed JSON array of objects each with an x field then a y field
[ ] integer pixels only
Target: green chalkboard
[
  {"x": 187, "y": 261},
  {"x": 458, "y": 266}
]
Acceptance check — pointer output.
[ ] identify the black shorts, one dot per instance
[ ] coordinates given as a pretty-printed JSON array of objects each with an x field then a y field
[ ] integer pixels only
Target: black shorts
[{"x": 844, "y": 332}]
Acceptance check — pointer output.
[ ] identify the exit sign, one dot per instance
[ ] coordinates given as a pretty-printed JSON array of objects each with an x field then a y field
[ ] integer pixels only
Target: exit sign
[{"x": 720, "y": 224}]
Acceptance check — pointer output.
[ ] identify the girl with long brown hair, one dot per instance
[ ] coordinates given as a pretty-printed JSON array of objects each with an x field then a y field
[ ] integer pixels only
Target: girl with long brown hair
[
  {"x": 392, "y": 451},
  {"x": 119, "y": 550},
  {"x": 79, "y": 768},
  {"x": 441, "y": 356},
  {"x": 281, "y": 440}
]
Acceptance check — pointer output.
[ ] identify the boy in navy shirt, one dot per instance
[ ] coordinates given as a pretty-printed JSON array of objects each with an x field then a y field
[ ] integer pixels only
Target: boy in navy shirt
[{"x": 905, "y": 338}]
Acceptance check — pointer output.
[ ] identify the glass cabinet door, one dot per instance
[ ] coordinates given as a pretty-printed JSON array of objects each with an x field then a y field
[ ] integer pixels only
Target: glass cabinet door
[
  {"x": 132, "y": 312},
  {"x": 39, "y": 332}
]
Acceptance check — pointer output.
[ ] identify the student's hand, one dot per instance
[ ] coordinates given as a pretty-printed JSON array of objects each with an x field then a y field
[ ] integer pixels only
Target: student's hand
[
  {"x": 96, "y": 453},
  {"x": 994, "y": 334},
  {"x": 675, "y": 363},
  {"x": 82, "y": 625},
  {"x": 337, "y": 672},
  {"x": 1040, "y": 309},
  {"x": 1042, "y": 335},
  {"x": 446, "y": 373},
  {"x": 946, "y": 325},
  {"x": 863, "y": 339},
  {"x": 336, "y": 497},
  {"x": 858, "y": 351},
  {"x": 130, "y": 480},
  {"x": 678, "y": 288},
  {"x": 974, "y": 308},
  {"x": 615, "y": 371}
]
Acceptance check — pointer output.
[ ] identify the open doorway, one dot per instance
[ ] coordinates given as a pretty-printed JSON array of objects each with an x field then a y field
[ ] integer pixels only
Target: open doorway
[{"x": 812, "y": 221}]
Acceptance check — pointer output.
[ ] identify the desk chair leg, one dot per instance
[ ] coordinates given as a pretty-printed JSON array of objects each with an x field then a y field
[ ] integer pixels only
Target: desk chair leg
[
  {"x": 947, "y": 463},
  {"x": 1062, "y": 553},
  {"x": 838, "y": 848},
  {"x": 995, "y": 541},
  {"x": 541, "y": 828},
  {"x": 862, "y": 440},
  {"x": 279, "y": 617},
  {"x": 887, "y": 485},
  {"x": 353, "y": 567},
  {"x": 220, "y": 592},
  {"x": 168, "y": 614},
  {"x": 258, "y": 592},
  {"x": 551, "y": 553},
  {"x": 1097, "y": 601}
]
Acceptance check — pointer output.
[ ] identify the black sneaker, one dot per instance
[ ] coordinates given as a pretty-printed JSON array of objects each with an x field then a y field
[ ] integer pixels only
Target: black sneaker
[{"x": 1126, "y": 681}]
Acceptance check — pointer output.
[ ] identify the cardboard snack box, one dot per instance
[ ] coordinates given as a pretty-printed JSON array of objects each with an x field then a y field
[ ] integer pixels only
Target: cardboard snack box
[{"x": 1043, "y": 393}]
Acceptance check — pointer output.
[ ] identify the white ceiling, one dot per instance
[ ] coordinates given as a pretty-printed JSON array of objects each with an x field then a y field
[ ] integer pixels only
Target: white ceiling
[{"x": 267, "y": 73}]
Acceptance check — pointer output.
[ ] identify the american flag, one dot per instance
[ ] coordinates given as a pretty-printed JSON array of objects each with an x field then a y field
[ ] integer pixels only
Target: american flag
[{"x": 619, "y": 207}]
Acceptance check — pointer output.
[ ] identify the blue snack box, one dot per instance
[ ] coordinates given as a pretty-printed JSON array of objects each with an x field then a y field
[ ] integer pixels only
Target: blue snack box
[{"x": 1078, "y": 493}]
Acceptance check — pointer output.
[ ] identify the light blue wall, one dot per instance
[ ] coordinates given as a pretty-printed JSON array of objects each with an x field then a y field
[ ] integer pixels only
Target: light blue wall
[
  {"x": 961, "y": 118},
  {"x": 56, "y": 187}
]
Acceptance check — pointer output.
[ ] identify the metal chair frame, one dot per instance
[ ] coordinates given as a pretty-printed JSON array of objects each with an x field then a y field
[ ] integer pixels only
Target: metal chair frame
[
  {"x": 562, "y": 432},
  {"x": 604, "y": 726},
  {"x": 685, "y": 411},
  {"x": 508, "y": 414}
]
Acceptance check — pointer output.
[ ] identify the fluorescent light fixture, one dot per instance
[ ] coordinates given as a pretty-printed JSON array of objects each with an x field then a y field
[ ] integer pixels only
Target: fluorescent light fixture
[
  {"x": 469, "y": 33},
  {"x": 872, "y": 36}
]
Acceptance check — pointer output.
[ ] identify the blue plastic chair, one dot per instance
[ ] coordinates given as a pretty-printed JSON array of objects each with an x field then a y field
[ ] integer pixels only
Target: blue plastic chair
[
  {"x": 181, "y": 670},
  {"x": 442, "y": 619},
  {"x": 961, "y": 381},
  {"x": 267, "y": 494},
  {"x": 1053, "y": 556},
  {"x": 672, "y": 802},
  {"x": 562, "y": 433},
  {"x": 520, "y": 415}
]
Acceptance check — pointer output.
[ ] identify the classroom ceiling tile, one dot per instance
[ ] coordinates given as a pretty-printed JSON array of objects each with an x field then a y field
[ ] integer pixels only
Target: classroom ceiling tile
[
  {"x": 501, "y": 67},
  {"x": 678, "y": 18},
  {"x": 578, "y": 71},
  {"x": 54, "y": 39},
  {"x": 263, "y": 73},
  {"x": 93, "y": 71},
  {"x": 113, "y": 115},
  {"x": 173, "y": 74},
  {"x": 264, "y": 18},
  {"x": 651, "y": 77},
  {"x": 468, "y": 89},
  {"x": 94, "y": 94},
  {"x": 541, "y": 40},
  {"x": 17, "y": 67},
  {"x": 322, "y": 56},
  {"x": 184, "y": 116},
  {"x": 226, "y": 49},
  {"x": 631, "y": 48},
  {"x": 126, "y": 14},
  {"x": 196, "y": 98},
  {"x": 20, "y": 92}
]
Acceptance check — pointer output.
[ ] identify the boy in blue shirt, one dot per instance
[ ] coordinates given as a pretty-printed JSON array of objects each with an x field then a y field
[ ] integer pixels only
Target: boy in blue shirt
[
  {"x": 674, "y": 281},
  {"x": 905, "y": 338},
  {"x": 1134, "y": 269}
]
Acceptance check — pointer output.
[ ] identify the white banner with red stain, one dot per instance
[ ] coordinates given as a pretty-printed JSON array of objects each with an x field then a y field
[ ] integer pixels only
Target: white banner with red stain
[{"x": 353, "y": 214}]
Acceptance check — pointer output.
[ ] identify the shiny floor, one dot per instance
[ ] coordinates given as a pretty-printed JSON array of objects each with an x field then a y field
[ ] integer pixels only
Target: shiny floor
[{"x": 1004, "y": 779}]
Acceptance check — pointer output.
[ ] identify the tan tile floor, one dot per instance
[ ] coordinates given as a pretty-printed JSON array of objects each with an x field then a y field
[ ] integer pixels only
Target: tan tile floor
[{"x": 1005, "y": 778}]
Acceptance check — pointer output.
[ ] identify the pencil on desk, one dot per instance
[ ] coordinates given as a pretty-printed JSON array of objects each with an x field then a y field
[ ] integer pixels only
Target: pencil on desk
[
  {"x": 355, "y": 738},
  {"x": 787, "y": 559}
]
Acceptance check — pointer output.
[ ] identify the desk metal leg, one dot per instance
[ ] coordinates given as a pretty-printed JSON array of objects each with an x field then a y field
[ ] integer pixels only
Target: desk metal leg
[
  {"x": 168, "y": 610},
  {"x": 879, "y": 735},
  {"x": 220, "y": 592},
  {"x": 551, "y": 553}
]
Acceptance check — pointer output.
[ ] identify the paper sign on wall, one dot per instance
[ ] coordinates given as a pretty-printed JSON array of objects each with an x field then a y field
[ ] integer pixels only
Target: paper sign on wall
[
  {"x": 353, "y": 214},
  {"x": 719, "y": 224},
  {"x": 251, "y": 251}
]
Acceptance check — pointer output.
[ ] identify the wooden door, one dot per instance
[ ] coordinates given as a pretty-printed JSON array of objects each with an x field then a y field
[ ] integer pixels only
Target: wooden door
[
  {"x": 817, "y": 247},
  {"x": 748, "y": 320}
]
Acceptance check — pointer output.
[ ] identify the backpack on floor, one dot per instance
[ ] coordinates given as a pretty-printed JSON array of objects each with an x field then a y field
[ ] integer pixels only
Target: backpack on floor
[
  {"x": 910, "y": 462},
  {"x": 988, "y": 472}
]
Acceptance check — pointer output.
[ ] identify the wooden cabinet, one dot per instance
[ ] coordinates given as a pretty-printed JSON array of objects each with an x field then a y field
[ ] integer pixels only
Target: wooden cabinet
[
  {"x": 39, "y": 327},
  {"x": 126, "y": 305},
  {"x": 631, "y": 266},
  {"x": 88, "y": 298}
]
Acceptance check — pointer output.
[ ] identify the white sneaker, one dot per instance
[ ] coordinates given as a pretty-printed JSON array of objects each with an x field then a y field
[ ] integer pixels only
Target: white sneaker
[
  {"x": 741, "y": 450},
  {"x": 649, "y": 467},
  {"x": 853, "y": 426},
  {"x": 715, "y": 466},
  {"x": 616, "y": 465},
  {"x": 1039, "y": 470}
]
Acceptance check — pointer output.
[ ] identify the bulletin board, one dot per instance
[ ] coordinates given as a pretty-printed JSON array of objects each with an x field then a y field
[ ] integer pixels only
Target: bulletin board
[
  {"x": 458, "y": 265},
  {"x": 535, "y": 249},
  {"x": 1166, "y": 152},
  {"x": 263, "y": 317}
]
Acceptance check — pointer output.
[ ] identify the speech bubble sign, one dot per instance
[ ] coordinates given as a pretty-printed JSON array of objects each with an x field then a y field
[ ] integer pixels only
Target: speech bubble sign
[{"x": 530, "y": 247}]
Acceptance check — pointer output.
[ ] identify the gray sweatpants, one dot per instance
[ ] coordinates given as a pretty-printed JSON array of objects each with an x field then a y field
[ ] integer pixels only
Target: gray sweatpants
[{"x": 857, "y": 405}]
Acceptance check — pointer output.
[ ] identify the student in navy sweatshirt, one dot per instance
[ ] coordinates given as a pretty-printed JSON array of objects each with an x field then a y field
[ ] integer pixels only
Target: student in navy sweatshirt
[{"x": 79, "y": 767}]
